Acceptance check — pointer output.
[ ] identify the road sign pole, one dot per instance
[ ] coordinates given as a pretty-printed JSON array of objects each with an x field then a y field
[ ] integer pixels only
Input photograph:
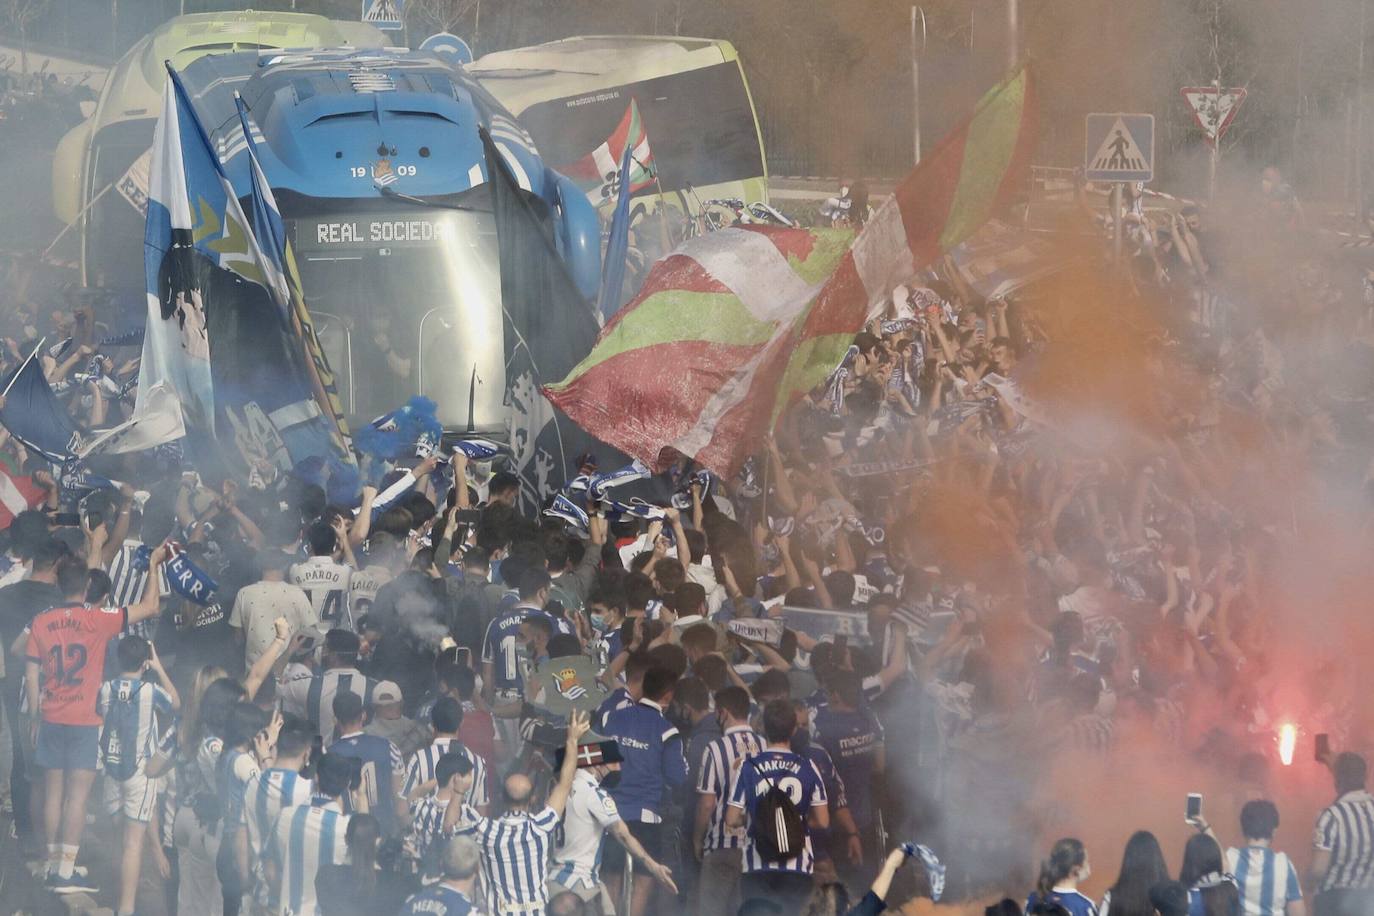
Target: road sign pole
[
  {"x": 916, "y": 88},
  {"x": 1214, "y": 154},
  {"x": 1116, "y": 224},
  {"x": 1359, "y": 121},
  {"x": 1212, "y": 173}
]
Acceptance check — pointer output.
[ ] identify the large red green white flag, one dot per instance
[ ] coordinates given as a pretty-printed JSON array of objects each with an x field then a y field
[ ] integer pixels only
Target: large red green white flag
[
  {"x": 732, "y": 327},
  {"x": 598, "y": 172}
]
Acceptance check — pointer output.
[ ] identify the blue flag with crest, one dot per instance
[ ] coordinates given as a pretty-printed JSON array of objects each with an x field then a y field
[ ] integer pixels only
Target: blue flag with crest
[
  {"x": 34, "y": 415},
  {"x": 221, "y": 361}
]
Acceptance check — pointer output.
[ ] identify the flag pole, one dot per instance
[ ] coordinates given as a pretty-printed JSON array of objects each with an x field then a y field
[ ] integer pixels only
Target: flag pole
[
  {"x": 29, "y": 359},
  {"x": 662, "y": 204}
]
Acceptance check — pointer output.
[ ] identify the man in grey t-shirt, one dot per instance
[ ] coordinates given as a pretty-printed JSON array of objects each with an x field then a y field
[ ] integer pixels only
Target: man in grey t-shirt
[{"x": 259, "y": 604}]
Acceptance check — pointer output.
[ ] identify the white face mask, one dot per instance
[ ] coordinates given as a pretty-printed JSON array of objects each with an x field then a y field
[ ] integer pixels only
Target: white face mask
[{"x": 1084, "y": 872}]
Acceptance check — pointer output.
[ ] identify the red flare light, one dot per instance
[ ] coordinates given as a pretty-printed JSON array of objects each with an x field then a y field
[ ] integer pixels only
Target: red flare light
[{"x": 1288, "y": 740}]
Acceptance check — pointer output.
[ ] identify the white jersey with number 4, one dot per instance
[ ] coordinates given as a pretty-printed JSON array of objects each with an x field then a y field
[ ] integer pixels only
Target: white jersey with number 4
[{"x": 327, "y": 583}]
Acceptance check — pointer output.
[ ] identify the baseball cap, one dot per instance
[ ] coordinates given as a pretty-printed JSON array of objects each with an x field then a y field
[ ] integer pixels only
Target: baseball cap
[{"x": 386, "y": 692}]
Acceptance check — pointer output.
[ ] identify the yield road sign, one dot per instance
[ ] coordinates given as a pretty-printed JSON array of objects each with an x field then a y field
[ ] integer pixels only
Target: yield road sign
[
  {"x": 1119, "y": 147},
  {"x": 1213, "y": 109}
]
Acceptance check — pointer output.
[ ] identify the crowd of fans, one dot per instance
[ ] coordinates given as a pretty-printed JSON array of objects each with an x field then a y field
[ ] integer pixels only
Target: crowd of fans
[{"x": 934, "y": 584}]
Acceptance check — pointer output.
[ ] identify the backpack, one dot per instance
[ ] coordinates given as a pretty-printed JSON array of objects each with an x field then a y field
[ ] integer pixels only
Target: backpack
[
  {"x": 119, "y": 737},
  {"x": 778, "y": 830}
]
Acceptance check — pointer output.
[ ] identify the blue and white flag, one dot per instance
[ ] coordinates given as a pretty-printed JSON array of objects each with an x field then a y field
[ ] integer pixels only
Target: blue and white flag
[
  {"x": 207, "y": 277},
  {"x": 34, "y": 415},
  {"x": 322, "y": 429},
  {"x": 76, "y": 479},
  {"x": 617, "y": 244},
  {"x": 189, "y": 202}
]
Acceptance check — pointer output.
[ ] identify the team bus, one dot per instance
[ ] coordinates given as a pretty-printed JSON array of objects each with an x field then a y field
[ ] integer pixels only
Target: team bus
[
  {"x": 100, "y": 168},
  {"x": 377, "y": 165},
  {"x": 691, "y": 96}
]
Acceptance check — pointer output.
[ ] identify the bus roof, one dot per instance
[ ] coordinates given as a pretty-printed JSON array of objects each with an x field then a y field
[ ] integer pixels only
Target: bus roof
[
  {"x": 522, "y": 77},
  {"x": 135, "y": 84}
]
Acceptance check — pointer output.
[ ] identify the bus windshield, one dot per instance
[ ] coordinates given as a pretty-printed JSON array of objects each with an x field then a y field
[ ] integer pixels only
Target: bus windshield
[
  {"x": 406, "y": 300},
  {"x": 699, "y": 124}
]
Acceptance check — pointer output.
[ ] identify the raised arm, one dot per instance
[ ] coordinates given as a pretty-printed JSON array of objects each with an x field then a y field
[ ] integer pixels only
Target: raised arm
[
  {"x": 883, "y": 883},
  {"x": 362, "y": 524},
  {"x": 263, "y": 666},
  {"x": 150, "y": 602},
  {"x": 578, "y": 726},
  {"x": 163, "y": 680}
]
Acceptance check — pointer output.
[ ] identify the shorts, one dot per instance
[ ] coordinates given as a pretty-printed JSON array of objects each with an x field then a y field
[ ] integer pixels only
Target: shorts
[
  {"x": 134, "y": 797},
  {"x": 596, "y": 898},
  {"x": 67, "y": 747},
  {"x": 650, "y": 836}
]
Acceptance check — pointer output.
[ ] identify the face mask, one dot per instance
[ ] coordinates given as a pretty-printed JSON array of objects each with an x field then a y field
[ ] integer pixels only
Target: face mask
[
  {"x": 599, "y": 623},
  {"x": 1084, "y": 872},
  {"x": 610, "y": 780},
  {"x": 801, "y": 740}
]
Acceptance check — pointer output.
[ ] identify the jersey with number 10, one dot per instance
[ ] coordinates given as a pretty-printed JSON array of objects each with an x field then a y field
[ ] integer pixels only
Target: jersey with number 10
[
  {"x": 500, "y": 647},
  {"x": 69, "y": 643}
]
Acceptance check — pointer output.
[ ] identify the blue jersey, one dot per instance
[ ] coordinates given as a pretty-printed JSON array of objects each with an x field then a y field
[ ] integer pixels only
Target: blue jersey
[
  {"x": 133, "y": 715},
  {"x": 305, "y": 839},
  {"x": 267, "y": 795},
  {"x": 420, "y": 769},
  {"x": 515, "y": 859},
  {"x": 854, "y": 740},
  {"x": 501, "y": 647},
  {"x": 381, "y": 764},
  {"x": 835, "y": 793},
  {"x": 439, "y": 900},
  {"x": 1267, "y": 880},
  {"x": 653, "y": 761},
  {"x": 1073, "y": 901},
  {"x": 427, "y": 834},
  {"x": 719, "y": 761},
  {"x": 618, "y": 698},
  {"x": 234, "y": 771},
  {"x": 792, "y": 774}
]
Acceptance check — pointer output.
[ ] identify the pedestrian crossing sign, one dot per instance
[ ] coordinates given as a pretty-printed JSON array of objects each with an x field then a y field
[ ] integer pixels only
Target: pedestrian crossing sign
[
  {"x": 1119, "y": 147},
  {"x": 384, "y": 14}
]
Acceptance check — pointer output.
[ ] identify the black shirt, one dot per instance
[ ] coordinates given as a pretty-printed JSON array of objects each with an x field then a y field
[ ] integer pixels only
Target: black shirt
[{"x": 20, "y": 603}]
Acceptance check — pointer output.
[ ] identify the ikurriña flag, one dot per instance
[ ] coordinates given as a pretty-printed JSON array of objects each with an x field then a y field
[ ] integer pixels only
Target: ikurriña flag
[
  {"x": 732, "y": 327},
  {"x": 598, "y": 173}
]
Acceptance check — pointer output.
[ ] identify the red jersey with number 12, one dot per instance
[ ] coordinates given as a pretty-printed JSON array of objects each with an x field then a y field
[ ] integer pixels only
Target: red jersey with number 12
[{"x": 69, "y": 644}]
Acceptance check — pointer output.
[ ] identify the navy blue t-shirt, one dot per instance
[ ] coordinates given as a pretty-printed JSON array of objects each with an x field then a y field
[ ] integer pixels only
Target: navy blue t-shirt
[{"x": 853, "y": 740}]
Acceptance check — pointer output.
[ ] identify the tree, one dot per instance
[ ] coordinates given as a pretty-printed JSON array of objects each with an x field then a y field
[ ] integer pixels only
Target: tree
[
  {"x": 19, "y": 15},
  {"x": 442, "y": 15}
]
